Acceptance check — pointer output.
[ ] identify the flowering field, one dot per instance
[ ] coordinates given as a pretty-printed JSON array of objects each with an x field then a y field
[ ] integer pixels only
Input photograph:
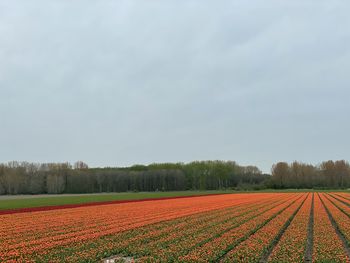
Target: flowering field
[{"x": 255, "y": 227}]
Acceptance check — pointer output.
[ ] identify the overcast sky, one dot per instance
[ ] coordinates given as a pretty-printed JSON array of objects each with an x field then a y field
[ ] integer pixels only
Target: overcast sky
[{"x": 115, "y": 83}]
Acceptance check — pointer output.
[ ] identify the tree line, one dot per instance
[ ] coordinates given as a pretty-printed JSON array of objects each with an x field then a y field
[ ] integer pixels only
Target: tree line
[
  {"x": 328, "y": 174},
  {"x": 57, "y": 178}
]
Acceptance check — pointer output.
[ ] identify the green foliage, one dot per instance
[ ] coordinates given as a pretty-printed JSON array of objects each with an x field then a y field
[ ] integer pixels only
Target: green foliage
[
  {"x": 88, "y": 198},
  {"x": 27, "y": 178},
  {"x": 327, "y": 175}
]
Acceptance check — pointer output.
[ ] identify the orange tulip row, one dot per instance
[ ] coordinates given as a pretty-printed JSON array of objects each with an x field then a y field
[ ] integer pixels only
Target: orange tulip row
[
  {"x": 252, "y": 249},
  {"x": 170, "y": 236},
  {"x": 37, "y": 233},
  {"x": 340, "y": 213},
  {"x": 292, "y": 245},
  {"x": 345, "y": 197},
  {"x": 217, "y": 247},
  {"x": 328, "y": 246},
  {"x": 191, "y": 242},
  {"x": 226, "y": 228}
]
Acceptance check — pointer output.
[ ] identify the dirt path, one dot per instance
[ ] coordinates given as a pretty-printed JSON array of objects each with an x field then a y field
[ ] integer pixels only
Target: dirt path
[{"x": 310, "y": 234}]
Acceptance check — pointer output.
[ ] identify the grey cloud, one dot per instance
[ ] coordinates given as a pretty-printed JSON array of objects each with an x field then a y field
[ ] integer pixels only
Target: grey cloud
[{"x": 123, "y": 82}]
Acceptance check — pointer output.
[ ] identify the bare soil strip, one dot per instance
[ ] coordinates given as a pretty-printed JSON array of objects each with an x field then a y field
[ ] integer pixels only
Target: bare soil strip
[
  {"x": 310, "y": 234},
  {"x": 334, "y": 224}
]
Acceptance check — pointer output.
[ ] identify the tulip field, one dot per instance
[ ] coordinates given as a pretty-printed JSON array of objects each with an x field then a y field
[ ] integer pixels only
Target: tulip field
[{"x": 242, "y": 227}]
